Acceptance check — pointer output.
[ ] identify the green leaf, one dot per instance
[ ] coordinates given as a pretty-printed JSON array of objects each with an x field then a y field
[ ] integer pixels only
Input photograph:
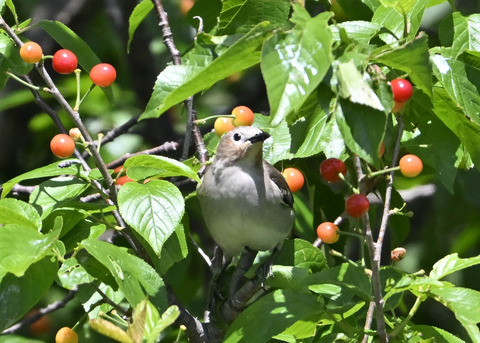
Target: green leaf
[
  {"x": 20, "y": 294},
  {"x": 56, "y": 192},
  {"x": 290, "y": 69},
  {"x": 354, "y": 87},
  {"x": 413, "y": 58},
  {"x": 353, "y": 278},
  {"x": 13, "y": 211},
  {"x": 173, "y": 250},
  {"x": 47, "y": 171},
  {"x": 463, "y": 304},
  {"x": 461, "y": 33},
  {"x": 2, "y": 3},
  {"x": 277, "y": 147},
  {"x": 110, "y": 330},
  {"x": 403, "y": 6},
  {"x": 441, "y": 141},
  {"x": 302, "y": 254},
  {"x": 360, "y": 31},
  {"x": 315, "y": 131},
  {"x": 72, "y": 273},
  {"x": 10, "y": 60},
  {"x": 68, "y": 39},
  {"x": 20, "y": 246},
  {"x": 136, "y": 278},
  {"x": 138, "y": 15},
  {"x": 440, "y": 335},
  {"x": 362, "y": 128},
  {"x": 271, "y": 315},
  {"x": 148, "y": 166},
  {"x": 240, "y": 16},
  {"x": 153, "y": 210},
  {"x": 392, "y": 20},
  {"x": 18, "y": 339},
  {"x": 454, "y": 118},
  {"x": 452, "y": 263},
  {"x": 461, "y": 80},
  {"x": 178, "y": 82},
  {"x": 147, "y": 323}
]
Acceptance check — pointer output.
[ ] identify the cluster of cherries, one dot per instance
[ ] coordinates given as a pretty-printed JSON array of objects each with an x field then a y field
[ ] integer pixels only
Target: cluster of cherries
[
  {"x": 65, "y": 62},
  {"x": 333, "y": 170}
]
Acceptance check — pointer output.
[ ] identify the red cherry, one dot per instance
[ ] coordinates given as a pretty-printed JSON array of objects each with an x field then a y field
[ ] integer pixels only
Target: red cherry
[
  {"x": 410, "y": 165},
  {"x": 331, "y": 168},
  {"x": 64, "y": 61},
  {"x": 243, "y": 116},
  {"x": 103, "y": 74},
  {"x": 328, "y": 232},
  {"x": 357, "y": 205},
  {"x": 62, "y": 145},
  {"x": 294, "y": 178},
  {"x": 401, "y": 89}
]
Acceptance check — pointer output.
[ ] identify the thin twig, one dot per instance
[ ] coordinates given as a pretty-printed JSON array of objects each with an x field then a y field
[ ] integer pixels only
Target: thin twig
[
  {"x": 165, "y": 147},
  {"x": 388, "y": 192},
  {"x": 192, "y": 127},
  {"x": 375, "y": 264},
  {"x": 41, "y": 312},
  {"x": 110, "y": 301}
]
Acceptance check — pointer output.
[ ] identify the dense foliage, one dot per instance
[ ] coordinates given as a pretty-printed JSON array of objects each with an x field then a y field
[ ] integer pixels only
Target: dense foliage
[{"x": 114, "y": 233}]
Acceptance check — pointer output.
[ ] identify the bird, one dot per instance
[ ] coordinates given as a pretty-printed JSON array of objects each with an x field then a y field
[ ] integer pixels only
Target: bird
[{"x": 246, "y": 203}]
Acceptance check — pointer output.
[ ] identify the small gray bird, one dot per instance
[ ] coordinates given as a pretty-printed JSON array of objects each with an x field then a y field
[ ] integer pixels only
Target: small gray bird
[{"x": 245, "y": 201}]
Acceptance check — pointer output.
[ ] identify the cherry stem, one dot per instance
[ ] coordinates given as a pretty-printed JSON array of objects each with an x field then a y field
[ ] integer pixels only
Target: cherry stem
[
  {"x": 77, "y": 101},
  {"x": 383, "y": 171},
  {"x": 16, "y": 78},
  {"x": 204, "y": 120}
]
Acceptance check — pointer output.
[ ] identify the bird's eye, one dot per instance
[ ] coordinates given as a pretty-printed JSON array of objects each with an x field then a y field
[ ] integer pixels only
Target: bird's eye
[{"x": 237, "y": 136}]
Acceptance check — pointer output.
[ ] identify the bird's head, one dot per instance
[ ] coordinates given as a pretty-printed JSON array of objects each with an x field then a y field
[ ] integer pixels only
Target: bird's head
[{"x": 244, "y": 142}]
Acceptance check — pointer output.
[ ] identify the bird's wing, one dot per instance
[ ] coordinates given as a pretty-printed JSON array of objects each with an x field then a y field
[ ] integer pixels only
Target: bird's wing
[{"x": 281, "y": 183}]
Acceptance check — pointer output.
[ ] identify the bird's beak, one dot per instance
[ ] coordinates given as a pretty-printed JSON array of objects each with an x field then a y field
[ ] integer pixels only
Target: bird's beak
[{"x": 259, "y": 137}]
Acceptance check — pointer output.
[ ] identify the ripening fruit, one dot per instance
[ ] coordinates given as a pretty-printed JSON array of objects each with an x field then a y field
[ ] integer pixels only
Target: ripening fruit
[
  {"x": 66, "y": 335},
  {"x": 64, "y": 61},
  {"x": 62, "y": 145},
  {"x": 243, "y": 116},
  {"x": 410, "y": 165},
  {"x": 75, "y": 133},
  {"x": 294, "y": 178},
  {"x": 397, "y": 106},
  {"x": 31, "y": 52},
  {"x": 223, "y": 125},
  {"x": 398, "y": 254},
  {"x": 331, "y": 168},
  {"x": 381, "y": 149},
  {"x": 186, "y": 5},
  {"x": 40, "y": 326},
  {"x": 328, "y": 232},
  {"x": 357, "y": 205},
  {"x": 103, "y": 74},
  {"x": 401, "y": 89},
  {"x": 123, "y": 180}
]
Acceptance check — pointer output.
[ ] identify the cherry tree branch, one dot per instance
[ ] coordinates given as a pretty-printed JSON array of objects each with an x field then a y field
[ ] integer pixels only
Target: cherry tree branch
[
  {"x": 91, "y": 145},
  {"x": 41, "y": 312},
  {"x": 192, "y": 128},
  {"x": 375, "y": 263}
]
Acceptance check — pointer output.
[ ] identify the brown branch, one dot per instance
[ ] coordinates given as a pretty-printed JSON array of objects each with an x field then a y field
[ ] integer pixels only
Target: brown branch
[
  {"x": 110, "y": 301},
  {"x": 161, "y": 149},
  {"x": 41, "y": 312},
  {"x": 192, "y": 127},
  {"x": 375, "y": 264}
]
